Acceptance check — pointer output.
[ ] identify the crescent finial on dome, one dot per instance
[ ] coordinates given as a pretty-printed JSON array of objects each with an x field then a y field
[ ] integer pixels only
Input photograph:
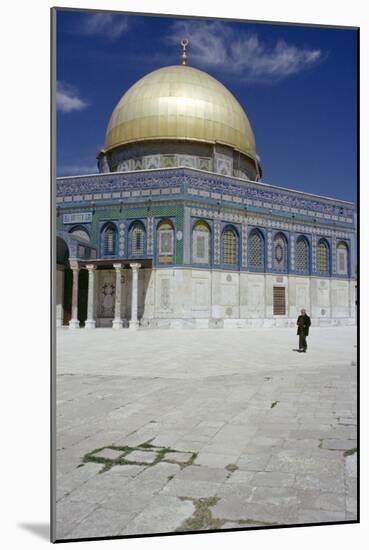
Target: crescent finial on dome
[{"x": 184, "y": 44}]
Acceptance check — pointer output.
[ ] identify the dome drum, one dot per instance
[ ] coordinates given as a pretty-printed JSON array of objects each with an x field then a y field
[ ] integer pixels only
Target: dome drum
[
  {"x": 180, "y": 116},
  {"x": 154, "y": 154}
]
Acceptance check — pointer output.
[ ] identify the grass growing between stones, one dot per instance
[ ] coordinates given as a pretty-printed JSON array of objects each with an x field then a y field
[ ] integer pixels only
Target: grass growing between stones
[
  {"x": 274, "y": 404},
  {"x": 350, "y": 452},
  {"x": 125, "y": 450},
  {"x": 202, "y": 518},
  {"x": 231, "y": 468}
]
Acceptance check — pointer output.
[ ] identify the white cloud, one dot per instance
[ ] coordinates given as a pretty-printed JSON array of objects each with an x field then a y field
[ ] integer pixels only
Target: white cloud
[
  {"x": 67, "y": 99},
  {"x": 104, "y": 24},
  {"x": 241, "y": 54}
]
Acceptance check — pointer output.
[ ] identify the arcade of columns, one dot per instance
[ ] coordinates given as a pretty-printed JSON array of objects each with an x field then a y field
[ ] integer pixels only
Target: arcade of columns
[{"x": 117, "y": 321}]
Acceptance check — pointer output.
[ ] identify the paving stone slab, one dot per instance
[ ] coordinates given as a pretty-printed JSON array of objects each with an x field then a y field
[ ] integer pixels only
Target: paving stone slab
[
  {"x": 351, "y": 505},
  {"x": 68, "y": 482},
  {"x": 242, "y": 490},
  {"x": 165, "y": 515},
  {"x": 146, "y": 457},
  {"x": 351, "y": 465},
  {"x": 189, "y": 488},
  {"x": 178, "y": 456},
  {"x": 189, "y": 444},
  {"x": 216, "y": 460},
  {"x": 107, "y": 453},
  {"x": 240, "y": 477},
  {"x": 298, "y": 463},
  {"x": 238, "y": 509},
  {"x": 308, "y": 444},
  {"x": 102, "y": 522},
  {"x": 319, "y": 516},
  {"x": 203, "y": 473},
  {"x": 330, "y": 502},
  {"x": 69, "y": 514},
  {"x": 128, "y": 500},
  {"x": 254, "y": 462},
  {"x": 321, "y": 482},
  {"x": 351, "y": 486},
  {"x": 273, "y": 479},
  {"x": 275, "y": 495},
  {"x": 339, "y": 444}
]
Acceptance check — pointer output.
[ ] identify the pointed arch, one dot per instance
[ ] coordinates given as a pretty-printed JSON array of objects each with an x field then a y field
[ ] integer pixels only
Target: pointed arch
[
  {"x": 342, "y": 258},
  {"x": 302, "y": 255},
  {"x": 230, "y": 255},
  {"x": 280, "y": 252},
  {"x": 256, "y": 250},
  {"x": 201, "y": 238},
  {"x": 137, "y": 239},
  {"x": 165, "y": 241},
  {"x": 323, "y": 256},
  {"x": 109, "y": 239},
  {"x": 80, "y": 232}
]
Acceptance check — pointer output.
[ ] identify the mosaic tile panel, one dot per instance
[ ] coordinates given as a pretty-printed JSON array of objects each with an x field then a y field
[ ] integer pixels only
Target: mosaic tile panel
[
  {"x": 244, "y": 245},
  {"x": 121, "y": 215},
  {"x": 150, "y": 235},
  {"x": 281, "y": 199},
  {"x": 292, "y": 252},
  {"x": 256, "y": 250},
  {"x": 313, "y": 253},
  {"x": 334, "y": 255},
  {"x": 121, "y": 240},
  {"x": 302, "y": 255},
  {"x": 217, "y": 243},
  {"x": 269, "y": 249},
  {"x": 279, "y": 253},
  {"x": 263, "y": 221}
]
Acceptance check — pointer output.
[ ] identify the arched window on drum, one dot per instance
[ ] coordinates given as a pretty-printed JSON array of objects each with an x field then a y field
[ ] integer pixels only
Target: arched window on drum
[
  {"x": 256, "y": 250},
  {"x": 201, "y": 243},
  {"x": 165, "y": 242},
  {"x": 280, "y": 253},
  {"x": 302, "y": 255},
  {"x": 323, "y": 257},
  {"x": 342, "y": 258},
  {"x": 230, "y": 246},
  {"x": 109, "y": 240},
  {"x": 137, "y": 240}
]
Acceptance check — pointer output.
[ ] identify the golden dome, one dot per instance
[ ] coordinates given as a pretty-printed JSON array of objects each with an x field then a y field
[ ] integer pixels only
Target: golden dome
[{"x": 180, "y": 102}]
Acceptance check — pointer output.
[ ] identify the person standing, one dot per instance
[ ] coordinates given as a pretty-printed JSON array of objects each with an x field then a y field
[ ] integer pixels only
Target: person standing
[{"x": 303, "y": 324}]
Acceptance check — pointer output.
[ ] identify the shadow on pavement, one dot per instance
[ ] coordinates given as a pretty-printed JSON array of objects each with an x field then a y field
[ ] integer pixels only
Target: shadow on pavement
[{"x": 40, "y": 529}]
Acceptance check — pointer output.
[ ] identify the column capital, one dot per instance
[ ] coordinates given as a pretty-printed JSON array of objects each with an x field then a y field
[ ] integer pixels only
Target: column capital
[
  {"x": 74, "y": 265},
  {"x": 135, "y": 266},
  {"x": 117, "y": 266},
  {"x": 90, "y": 267}
]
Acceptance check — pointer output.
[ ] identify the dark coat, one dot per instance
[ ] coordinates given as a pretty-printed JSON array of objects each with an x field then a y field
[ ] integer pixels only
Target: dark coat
[{"x": 303, "y": 324}]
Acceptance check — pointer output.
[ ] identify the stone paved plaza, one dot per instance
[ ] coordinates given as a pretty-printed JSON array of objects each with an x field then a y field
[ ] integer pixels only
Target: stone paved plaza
[{"x": 164, "y": 430}]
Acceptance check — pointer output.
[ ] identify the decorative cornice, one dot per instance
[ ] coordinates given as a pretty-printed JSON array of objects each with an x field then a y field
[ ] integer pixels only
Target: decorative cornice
[{"x": 200, "y": 183}]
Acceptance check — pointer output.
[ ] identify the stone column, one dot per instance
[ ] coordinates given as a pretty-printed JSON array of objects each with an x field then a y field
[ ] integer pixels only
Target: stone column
[
  {"x": 59, "y": 295},
  {"x": 90, "y": 321},
  {"x": 74, "y": 323},
  {"x": 117, "y": 321},
  {"x": 133, "y": 324}
]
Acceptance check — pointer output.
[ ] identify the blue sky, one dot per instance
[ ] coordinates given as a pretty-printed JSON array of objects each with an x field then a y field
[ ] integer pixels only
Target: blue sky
[{"x": 297, "y": 85}]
